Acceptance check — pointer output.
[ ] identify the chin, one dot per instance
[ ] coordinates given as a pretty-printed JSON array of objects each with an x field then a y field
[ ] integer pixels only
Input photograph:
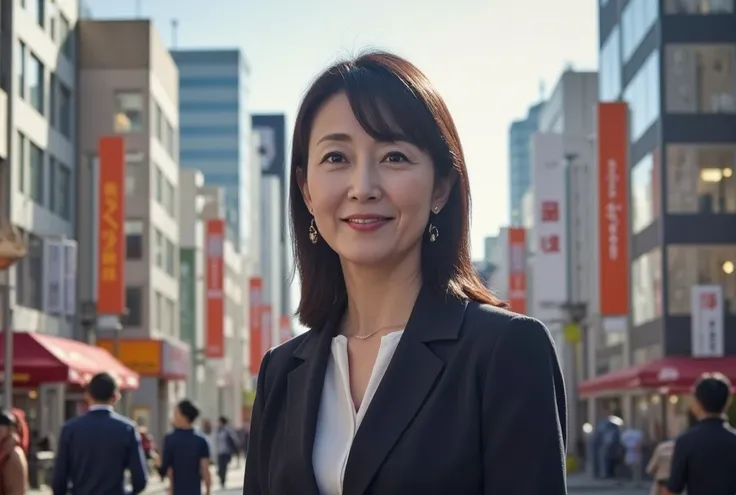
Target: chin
[{"x": 365, "y": 257}]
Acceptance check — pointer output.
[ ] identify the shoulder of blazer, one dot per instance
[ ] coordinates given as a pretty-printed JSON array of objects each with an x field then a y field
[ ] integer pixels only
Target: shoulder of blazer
[{"x": 279, "y": 360}]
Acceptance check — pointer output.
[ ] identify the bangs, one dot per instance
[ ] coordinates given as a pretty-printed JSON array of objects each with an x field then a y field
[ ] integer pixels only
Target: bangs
[{"x": 388, "y": 109}]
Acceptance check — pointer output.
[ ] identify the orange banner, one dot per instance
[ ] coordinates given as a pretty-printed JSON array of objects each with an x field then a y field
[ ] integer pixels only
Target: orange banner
[
  {"x": 256, "y": 296},
  {"x": 111, "y": 227},
  {"x": 517, "y": 269},
  {"x": 284, "y": 328},
  {"x": 613, "y": 208},
  {"x": 215, "y": 271}
]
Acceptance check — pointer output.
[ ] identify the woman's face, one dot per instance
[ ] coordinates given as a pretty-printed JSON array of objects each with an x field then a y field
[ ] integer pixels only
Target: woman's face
[{"x": 371, "y": 200}]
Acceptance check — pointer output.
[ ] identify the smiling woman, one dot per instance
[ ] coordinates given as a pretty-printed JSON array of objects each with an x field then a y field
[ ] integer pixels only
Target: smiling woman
[{"x": 412, "y": 378}]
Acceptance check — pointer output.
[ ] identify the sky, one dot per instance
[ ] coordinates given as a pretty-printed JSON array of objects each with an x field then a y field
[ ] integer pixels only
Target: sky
[{"x": 489, "y": 59}]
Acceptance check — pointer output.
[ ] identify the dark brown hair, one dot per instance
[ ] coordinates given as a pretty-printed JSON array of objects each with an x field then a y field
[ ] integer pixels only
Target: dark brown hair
[{"x": 377, "y": 83}]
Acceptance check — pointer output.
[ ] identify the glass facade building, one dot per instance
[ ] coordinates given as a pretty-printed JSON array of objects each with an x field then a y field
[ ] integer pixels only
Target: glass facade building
[{"x": 520, "y": 134}]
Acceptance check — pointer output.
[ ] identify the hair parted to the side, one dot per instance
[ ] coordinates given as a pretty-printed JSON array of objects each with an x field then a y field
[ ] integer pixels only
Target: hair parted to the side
[{"x": 377, "y": 83}]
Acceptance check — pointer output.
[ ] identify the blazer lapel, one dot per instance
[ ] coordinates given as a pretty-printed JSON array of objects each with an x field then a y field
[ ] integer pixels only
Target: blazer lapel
[
  {"x": 303, "y": 396},
  {"x": 410, "y": 377}
]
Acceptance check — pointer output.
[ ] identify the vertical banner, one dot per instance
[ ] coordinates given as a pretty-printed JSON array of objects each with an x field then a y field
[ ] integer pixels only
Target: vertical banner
[
  {"x": 613, "y": 208},
  {"x": 266, "y": 329},
  {"x": 707, "y": 321},
  {"x": 215, "y": 268},
  {"x": 53, "y": 287},
  {"x": 284, "y": 328},
  {"x": 70, "y": 277},
  {"x": 256, "y": 294},
  {"x": 517, "y": 269},
  {"x": 111, "y": 227}
]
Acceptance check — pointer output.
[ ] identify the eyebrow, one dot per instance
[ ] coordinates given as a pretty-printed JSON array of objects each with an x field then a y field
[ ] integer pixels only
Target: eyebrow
[{"x": 338, "y": 136}]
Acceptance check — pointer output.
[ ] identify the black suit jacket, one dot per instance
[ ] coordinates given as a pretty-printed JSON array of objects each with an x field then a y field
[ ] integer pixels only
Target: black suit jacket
[
  {"x": 473, "y": 402},
  {"x": 94, "y": 452}
]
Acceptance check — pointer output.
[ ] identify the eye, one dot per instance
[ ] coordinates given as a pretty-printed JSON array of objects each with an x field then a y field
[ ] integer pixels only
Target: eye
[
  {"x": 334, "y": 157},
  {"x": 396, "y": 157}
]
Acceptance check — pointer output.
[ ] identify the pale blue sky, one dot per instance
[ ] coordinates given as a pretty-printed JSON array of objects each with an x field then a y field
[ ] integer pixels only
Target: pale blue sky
[{"x": 487, "y": 58}]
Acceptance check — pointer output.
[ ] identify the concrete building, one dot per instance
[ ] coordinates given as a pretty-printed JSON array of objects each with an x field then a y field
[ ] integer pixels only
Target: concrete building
[
  {"x": 674, "y": 64},
  {"x": 130, "y": 83},
  {"x": 519, "y": 161},
  {"x": 215, "y": 128}
]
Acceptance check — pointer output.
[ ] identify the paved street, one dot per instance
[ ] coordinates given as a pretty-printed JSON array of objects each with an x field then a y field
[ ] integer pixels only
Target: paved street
[{"x": 581, "y": 484}]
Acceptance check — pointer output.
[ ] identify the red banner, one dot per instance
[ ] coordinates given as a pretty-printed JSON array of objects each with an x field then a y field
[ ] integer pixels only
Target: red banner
[
  {"x": 111, "y": 227},
  {"x": 215, "y": 297},
  {"x": 517, "y": 269},
  {"x": 256, "y": 295}
]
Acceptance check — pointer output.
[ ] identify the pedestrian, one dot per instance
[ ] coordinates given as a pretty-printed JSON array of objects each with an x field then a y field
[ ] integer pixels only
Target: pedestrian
[
  {"x": 186, "y": 454},
  {"x": 227, "y": 447},
  {"x": 659, "y": 467},
  {"x": 13, "y": 462},
  {"x": 704, "y": 459},
  {"x": 96, "y": 449},
  {"x": 632, "y": 440},
  {"x": 412, "y": 377}
]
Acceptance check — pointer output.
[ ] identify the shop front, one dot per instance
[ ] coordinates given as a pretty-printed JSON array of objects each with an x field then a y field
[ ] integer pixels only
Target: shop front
[
  {"x": 163, "y": 366},
  {"x": 658, "y": 392},
  {"x": 49, "y": 375}
]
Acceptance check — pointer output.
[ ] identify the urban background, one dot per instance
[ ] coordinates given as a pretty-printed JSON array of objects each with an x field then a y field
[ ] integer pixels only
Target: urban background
[{"x": 150, "y": 205}]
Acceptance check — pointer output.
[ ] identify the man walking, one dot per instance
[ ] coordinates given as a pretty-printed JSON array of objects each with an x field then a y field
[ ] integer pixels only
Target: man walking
[
  {"x": 227, "y": 447},
  {"x": 97, "y": 448}
]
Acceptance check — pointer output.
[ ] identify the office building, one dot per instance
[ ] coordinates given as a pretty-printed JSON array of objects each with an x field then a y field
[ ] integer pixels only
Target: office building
[
  {"x": 519, "y": 162},
  {"x": 215, "y": 128},
  {"x": 674, "y": 63},
  {"x": 131, "y": 85}
]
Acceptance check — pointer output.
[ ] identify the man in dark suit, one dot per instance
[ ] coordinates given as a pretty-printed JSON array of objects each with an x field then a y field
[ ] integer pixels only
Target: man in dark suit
[
  {"x": 704, "y": 460},
  {"x": 96, "y": 449}
]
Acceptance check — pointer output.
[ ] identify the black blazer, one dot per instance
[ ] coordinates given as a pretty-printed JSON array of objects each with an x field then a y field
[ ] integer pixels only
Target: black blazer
[
  {"x": 473, "y": 402},
  {"x": 94, "y": 452}
]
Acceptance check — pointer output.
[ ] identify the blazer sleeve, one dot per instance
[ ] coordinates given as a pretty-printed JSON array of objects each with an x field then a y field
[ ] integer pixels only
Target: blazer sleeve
[
  {"x": 252, "y": 483},
  {"x": 524, "y": 414}
]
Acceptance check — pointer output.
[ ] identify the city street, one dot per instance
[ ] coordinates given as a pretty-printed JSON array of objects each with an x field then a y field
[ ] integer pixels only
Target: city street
[{"x": 582, "y": 484}]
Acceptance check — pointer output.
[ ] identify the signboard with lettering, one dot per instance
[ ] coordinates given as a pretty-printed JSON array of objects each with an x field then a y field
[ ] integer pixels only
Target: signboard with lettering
[
  {"x": 707, "y": 321},
  {"x": 111, "y": 227},
  {"x": 215, "y": 287}
]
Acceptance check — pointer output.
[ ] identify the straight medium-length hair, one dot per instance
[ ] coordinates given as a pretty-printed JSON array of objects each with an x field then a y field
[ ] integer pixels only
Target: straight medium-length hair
[{"x": 393, "y": 101}]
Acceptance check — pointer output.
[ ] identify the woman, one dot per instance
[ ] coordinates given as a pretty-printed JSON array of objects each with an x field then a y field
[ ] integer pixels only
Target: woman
[
  {"x": 659, "y": 467},
  {"x": 13, "y": 464},
  {"x": 412, "y": 378}
]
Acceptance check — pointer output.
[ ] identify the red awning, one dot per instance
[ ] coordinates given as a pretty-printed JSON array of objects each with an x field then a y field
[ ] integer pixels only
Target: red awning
[
  {"x": 40, "y": 358},
  {"x": 671, "y": 375}
]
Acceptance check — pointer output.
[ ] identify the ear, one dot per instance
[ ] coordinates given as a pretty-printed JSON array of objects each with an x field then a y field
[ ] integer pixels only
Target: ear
[
  {"x": 301, "y": 180},
  {"x": 442, "y": 189}
]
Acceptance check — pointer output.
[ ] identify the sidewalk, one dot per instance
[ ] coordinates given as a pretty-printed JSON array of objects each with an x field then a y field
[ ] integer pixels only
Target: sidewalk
[
  {"x": 157, "y": 487},
  {"x": 583, "y": 482}
]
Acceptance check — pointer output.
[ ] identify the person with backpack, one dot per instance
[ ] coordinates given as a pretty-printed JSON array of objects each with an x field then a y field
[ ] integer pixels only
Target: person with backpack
[
  {"x": 13, "y": 463},
  {"x": 227, "y": 447}
]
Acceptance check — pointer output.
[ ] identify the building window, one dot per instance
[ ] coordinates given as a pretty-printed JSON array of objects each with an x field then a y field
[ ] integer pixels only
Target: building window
[
  {"x": 53, "y": 103},
  {"x": 699, "y": 7},
  {"x": 36, "y": 83},
  {"x": 22, "y": 66},
  {"x": 690, "y": 265},
  {"x": 128, "y": 112},
  {"x": 22, "y": 163},
  {"x": 53, "y": 15},
  {"x": 642, "y": 95},
  {"x": 37, "y": 8},
  {"x": 36, "y": 169},
  {"x": 66, "y": 37},
  {"x": 158, "y": 121},
  {"x": 158, "y": 184},
  {"x": 637, "y": 19},
  {"x": 159, "y": 305},
  {"x": 158, "y": 248},
  {"x": 700, "y": 78},
  {"x": 645, "y": 192},
  {"x": 133, "y": 173},
  {"x": 646, "y": 287},
  {"x": 29, "y": 275},
  {"x": 61, "y": 189},
  {"x": 65, "y": 109},
  {"x": 134, "y": 304},
  {"x": 700, "y": 179},
  {"x": 170, "y": 258},
  {"x": 609, "y": 78},
  {"x": 134, "y": 239}
]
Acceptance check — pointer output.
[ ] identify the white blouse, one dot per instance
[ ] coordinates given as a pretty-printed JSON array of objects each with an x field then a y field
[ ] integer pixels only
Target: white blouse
[{"x": 337, "y": 420}]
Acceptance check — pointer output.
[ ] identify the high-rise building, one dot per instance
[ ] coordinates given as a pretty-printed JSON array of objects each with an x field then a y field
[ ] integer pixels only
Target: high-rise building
[
  {"x": 215, "y": 128},
  {"x": 131, "y": 92},
  {"x": 519, "y": 161},
  {"x": 674, "y": 63}
]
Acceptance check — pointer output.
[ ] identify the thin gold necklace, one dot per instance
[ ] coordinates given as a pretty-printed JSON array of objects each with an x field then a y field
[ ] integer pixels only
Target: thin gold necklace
[{"x": 369, "y": 335}]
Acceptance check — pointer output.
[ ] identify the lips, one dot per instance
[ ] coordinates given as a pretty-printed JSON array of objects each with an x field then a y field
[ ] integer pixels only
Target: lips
[{"x": 366, "y": 221}]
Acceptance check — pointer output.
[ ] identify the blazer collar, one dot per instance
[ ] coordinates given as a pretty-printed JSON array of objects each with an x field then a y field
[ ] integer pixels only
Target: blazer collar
[{"x": 409, "y": 378}]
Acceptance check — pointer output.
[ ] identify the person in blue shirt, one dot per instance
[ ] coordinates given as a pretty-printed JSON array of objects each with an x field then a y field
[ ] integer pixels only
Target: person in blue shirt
[{"x": 186, "y": 454}]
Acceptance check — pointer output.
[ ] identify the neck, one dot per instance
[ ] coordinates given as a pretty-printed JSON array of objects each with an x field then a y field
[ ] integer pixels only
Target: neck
[{"x": 380, "y": 299}]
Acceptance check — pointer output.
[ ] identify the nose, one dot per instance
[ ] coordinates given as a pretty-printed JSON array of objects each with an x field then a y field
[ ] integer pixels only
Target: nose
[{"x": 364, "y": 182}]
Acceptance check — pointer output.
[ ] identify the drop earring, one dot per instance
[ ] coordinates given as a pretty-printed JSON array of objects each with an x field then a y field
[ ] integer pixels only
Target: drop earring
[
  {"x": 313, "y": 234},
  {"x": 434, "y": 233}
]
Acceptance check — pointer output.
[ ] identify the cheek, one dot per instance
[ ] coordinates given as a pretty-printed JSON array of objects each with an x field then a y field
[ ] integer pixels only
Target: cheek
[{"x": 412, "y": 194}]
